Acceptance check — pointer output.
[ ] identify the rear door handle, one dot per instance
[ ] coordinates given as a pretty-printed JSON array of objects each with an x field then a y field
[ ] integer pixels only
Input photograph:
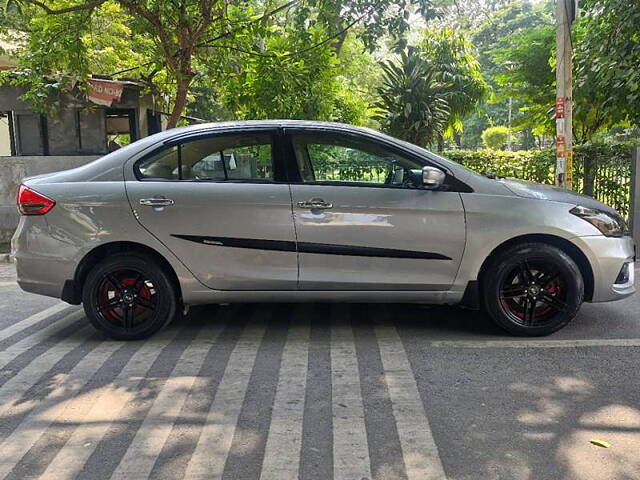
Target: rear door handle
[
  {"x": 157, "y": 202},
  {"x": 315, "y": 204}
]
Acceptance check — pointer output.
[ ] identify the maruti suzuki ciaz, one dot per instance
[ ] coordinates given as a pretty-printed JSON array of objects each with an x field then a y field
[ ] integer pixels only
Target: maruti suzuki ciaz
[{"x": 270, "y": 211}]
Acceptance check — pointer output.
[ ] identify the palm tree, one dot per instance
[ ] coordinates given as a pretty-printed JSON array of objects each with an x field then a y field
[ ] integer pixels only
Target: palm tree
[{"x": 413, "y": 104}]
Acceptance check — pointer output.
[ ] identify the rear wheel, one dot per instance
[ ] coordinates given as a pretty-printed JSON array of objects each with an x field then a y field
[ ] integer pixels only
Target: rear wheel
[
  {"x": 533, "y": 289},
  {"x": 129, "y": 297}
]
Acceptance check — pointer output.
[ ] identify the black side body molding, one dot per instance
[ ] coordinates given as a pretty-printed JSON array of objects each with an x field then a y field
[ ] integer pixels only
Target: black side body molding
[{"x": 308, "y": 247}]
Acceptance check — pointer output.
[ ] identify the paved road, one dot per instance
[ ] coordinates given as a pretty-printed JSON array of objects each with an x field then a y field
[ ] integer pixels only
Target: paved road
[{"x": 317, "y": 392}]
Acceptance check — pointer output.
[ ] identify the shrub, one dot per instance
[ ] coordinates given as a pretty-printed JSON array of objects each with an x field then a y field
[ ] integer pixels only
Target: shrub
[{"x": 495, "y": 137}]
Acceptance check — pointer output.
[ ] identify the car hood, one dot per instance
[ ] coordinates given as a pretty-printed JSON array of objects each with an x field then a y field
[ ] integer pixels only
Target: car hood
[{"x": 526, "y": 189}]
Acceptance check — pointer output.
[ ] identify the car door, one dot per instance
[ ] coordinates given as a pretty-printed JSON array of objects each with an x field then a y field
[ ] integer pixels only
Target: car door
[
  {"x": 217, "y": 203},
  {"x": 362, "y": 224}
]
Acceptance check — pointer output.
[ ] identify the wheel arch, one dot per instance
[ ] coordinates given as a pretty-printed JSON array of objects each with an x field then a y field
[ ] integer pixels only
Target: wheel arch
[
  {"x": 72, "y": 291},
  {"x": 563, "y": 244}
]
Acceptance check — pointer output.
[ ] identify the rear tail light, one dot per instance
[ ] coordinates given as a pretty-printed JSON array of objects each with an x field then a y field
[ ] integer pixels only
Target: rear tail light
[{"x": 33, "y": 203}]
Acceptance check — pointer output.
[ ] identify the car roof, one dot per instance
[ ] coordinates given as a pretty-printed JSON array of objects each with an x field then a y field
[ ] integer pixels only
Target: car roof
[
  {"x": 176, "y": 133},
  {"x": 240, "y": 124}
]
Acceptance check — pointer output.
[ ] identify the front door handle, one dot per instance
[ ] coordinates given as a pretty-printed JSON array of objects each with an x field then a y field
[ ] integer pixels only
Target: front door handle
[
  {"x": 315, "y": 204},
  {"x": 157, "y": 202}
]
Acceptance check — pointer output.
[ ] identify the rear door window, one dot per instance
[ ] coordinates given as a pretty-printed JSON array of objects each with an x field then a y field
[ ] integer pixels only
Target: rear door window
[{"x": 246, "y": 157}]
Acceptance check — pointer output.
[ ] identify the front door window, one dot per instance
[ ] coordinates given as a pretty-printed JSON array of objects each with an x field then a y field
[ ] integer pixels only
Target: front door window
[{"x": 344, "y": 160}]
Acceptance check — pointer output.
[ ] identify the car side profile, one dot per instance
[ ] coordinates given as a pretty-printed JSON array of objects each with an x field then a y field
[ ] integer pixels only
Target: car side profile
[{"x": 268, "y": 211}]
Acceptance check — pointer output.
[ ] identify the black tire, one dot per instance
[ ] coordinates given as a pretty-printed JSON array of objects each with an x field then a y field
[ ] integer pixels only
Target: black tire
[
  {"x": 536, "y": 303},
  {"x": 129, "y": 297}
]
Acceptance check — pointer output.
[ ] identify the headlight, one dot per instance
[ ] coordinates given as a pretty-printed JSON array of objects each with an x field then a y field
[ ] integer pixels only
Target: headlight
[{"x": 611, "y": 225}]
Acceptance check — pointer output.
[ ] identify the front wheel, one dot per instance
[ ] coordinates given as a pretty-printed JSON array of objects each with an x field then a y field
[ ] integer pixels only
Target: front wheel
[
  {"x": 129, "y": 297},
  {"x": 532, "y": 289}
]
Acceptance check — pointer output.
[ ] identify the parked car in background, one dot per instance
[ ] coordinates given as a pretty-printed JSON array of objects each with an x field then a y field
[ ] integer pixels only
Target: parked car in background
[{"x": 307, "y": 211}]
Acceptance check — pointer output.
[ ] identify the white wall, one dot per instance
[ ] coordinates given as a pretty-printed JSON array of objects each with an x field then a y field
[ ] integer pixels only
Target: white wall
[{"x": 5, "y": 142}]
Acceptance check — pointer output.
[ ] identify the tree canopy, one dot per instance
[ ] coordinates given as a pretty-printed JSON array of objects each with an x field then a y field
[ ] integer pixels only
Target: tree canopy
[
  {"x": 429, "y": 71},
  {"x": 181, "y": 37}
]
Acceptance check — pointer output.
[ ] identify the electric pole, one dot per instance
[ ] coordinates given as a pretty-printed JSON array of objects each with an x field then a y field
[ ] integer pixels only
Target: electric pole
[
  {"x": 565, "y": 15},
  {"x": 509, "y": 125}
]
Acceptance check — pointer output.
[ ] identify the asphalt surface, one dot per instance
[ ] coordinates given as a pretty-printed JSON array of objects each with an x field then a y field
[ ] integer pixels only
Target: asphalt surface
[{"x": 317, "y": 392}]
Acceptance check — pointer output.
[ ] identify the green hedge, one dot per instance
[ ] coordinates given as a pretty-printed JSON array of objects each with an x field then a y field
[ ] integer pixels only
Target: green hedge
[{"x": 607, "y": 167}]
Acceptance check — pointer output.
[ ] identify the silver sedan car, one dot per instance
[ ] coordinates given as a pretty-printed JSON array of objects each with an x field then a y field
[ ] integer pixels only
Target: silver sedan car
[{"x": 271, "y": 211}]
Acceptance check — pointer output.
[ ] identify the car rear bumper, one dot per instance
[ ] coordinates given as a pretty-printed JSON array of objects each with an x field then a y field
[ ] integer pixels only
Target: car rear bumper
[
  {"x": 607, "y": 257},
  {"x": 39, "y": 266}
]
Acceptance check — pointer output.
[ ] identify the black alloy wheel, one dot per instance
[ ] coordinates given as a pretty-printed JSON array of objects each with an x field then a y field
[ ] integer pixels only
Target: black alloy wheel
[
  {"x": 532, "y": 289},
  {"x": 128, "y": 297},
  {"x": 533, "y": 293}
]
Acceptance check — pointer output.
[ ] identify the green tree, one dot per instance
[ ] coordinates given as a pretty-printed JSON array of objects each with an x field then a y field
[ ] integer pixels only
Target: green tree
[
  {"x": 496, "y": 30},
  {"x": 607, "y": 55},
  {"x": 184, "y": 35},
  {"x": 495, "y": 137},
  {"x": 433, "y": 86},
  {"x": 69, "y": 44},
  {"x": 413, "y": 104},
  {"x": 451, "y": 54},
  {"x": 310, "y": 85},
  {"x": 528, "y": 77}
]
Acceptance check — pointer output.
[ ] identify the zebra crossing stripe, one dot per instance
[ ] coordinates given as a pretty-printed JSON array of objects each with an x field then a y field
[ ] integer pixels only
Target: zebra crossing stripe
[
  {"x": 114, "y": 444},
  {"x": 282, "y": 395},
  {"x": 211, "y": 451},
  {"x": 37, "y": 342},
  {"x": 22, "y": 380},
  {"x": 285, "y": 431},
  {"x": 350, "y": 452},
  {"x": 246, "y": 453},
  {"x": 421, "y": 458},
  {"x": 178, "y": 448},
  {"x": 156, "y": 427},
  {"x": 46, "y": 409},
  {"x": 96, "y": 416},
  {"x": 33, "y": 319}
]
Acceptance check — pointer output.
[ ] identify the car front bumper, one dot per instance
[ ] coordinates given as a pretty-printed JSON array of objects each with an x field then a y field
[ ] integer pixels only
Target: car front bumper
[{"x": 607, "y": 257}]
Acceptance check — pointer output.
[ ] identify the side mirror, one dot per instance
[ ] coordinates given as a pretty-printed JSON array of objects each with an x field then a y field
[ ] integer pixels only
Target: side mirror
[{"x": 432, "y": 178}]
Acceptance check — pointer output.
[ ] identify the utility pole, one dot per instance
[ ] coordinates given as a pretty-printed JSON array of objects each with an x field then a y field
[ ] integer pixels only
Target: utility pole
[
  {"x": 565, "y": 15},
  {"x": 509, "y": 135}
]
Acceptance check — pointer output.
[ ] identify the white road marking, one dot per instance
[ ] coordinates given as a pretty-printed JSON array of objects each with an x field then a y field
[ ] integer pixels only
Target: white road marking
[
  {"x": 529, "y": 343},
  {"x": 147, "y": 444},
  {"x": 284, "y": 439},
  {"x": 33, "y": 319},
  {"x": 350, "y": 451},
  {"x": 96, "y": 410},
  {"x": 16, "y": 386},
  {"x": 60, "y": 399},
  {"x": 419, "y": 450},
  {"x": 36, "y": 337},
  {"x": 215, "y": 440}
]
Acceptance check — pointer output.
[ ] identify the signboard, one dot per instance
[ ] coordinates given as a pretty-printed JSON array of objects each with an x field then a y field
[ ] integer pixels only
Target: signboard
[
  {"x": 104, "y": 92},
  {"x": 568, "y": 174},
  {"x": 559, "y": 107}
]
